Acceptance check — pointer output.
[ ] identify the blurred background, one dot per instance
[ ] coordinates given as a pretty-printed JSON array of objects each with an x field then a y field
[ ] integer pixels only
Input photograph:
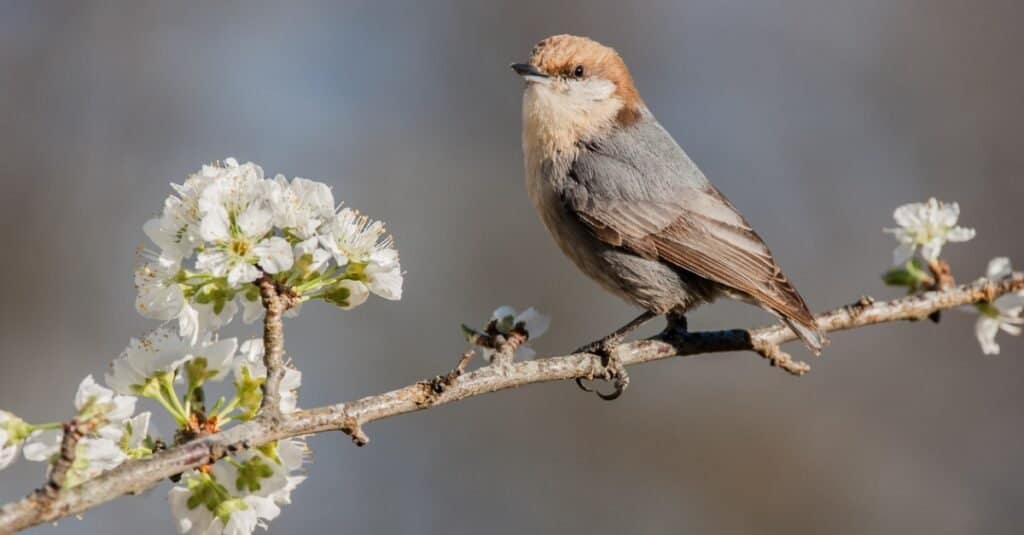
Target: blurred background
[{"x": 816, "y": 118}]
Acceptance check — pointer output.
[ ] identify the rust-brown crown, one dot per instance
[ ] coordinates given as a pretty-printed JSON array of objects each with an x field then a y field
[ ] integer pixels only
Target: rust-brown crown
[{"x": 561, "y": 55}]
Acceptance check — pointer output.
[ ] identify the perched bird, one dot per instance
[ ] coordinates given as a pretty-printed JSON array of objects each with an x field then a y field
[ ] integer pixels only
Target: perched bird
[{"x": 628, "y": 206}]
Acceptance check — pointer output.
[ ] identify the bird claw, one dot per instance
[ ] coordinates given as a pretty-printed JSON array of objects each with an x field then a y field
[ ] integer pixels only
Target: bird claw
[{"x": 613, "y": 372}]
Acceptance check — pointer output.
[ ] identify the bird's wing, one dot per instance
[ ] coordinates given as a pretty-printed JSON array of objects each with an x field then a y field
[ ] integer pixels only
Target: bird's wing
[{"x": 640, "y": 191}]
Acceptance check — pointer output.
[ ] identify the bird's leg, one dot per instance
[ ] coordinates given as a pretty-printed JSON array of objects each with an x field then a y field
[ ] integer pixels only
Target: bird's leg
[
  {"x": 605, "y": 348},
  {"x": 675, "y": 326}
]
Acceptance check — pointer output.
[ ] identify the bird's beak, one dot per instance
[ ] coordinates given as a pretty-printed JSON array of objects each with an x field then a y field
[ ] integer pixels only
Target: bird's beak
[{"x": 529, "y": 73}]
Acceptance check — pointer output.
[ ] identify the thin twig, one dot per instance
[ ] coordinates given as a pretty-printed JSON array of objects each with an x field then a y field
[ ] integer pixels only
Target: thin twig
[
  {"x": 274, "y": 303},
  {"x": 137, "y": 475}
]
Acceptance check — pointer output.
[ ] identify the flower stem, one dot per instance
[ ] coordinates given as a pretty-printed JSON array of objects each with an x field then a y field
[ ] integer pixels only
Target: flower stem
[
  {"x": 223, "y": 414},
  {"x": 170, "y": 400}
]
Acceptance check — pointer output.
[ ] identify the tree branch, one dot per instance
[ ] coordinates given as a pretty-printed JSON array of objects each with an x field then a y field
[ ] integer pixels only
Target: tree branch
[
  {"x": 276, "y": 301},
  {"x": 138, "y": 475}
]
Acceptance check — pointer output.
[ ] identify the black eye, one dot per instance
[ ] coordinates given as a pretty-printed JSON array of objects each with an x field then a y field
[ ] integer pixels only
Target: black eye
[{"x": 578, "y": 71}]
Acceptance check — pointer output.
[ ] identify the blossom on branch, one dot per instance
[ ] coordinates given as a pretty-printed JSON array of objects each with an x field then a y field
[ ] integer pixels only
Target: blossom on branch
[
  {"x": 1005, "y": 314},
  {"x": 227, "y": 225},
  {"x": 240, "y": 493},
  {"x": 505, "y": 319},
  {"x": 926, "y": 226},
  {"x": 110, "y": 434}
]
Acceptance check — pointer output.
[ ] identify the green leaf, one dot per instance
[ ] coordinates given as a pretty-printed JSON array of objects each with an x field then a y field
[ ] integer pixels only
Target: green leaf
[{"x": 898, "y": 277}]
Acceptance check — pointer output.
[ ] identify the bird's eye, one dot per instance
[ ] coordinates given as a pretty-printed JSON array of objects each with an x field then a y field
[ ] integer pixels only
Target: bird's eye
[{"x": 578, "y": 71}]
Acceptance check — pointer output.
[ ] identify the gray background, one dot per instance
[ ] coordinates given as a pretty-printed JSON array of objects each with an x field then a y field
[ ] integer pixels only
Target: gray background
[{"x": 816, "y": 117}]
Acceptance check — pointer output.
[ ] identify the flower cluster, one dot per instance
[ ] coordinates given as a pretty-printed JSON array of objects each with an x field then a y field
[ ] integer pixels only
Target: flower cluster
[
  {"x": 111, "y": 434},
  {"x": 924, "y": 228},
  {"x": 227, "y": 226},
  {"x": 241, "y": 492},
  {"x": 224, "y": 231}
]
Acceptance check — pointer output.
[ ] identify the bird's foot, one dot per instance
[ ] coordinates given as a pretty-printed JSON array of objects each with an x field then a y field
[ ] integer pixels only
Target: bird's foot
[{"x": 613, "y": 371}]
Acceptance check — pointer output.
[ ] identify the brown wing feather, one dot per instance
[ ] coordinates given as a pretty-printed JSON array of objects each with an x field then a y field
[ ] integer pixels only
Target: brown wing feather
[{"x": 712, "y": 241}]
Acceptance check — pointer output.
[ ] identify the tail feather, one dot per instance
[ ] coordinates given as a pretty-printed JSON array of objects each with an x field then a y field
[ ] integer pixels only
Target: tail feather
[{"x": 813, "y": 337}]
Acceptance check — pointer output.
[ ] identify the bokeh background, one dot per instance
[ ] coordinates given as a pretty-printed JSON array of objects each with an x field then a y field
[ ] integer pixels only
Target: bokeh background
[{"x": 816, "y": 117}]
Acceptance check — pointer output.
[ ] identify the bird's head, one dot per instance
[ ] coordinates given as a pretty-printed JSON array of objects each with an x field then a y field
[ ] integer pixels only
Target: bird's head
[{"x": 577, "y": 83}]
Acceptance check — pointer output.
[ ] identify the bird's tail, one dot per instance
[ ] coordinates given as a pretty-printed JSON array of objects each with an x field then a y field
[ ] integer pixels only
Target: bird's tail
[{"x": 813, "y": 337}]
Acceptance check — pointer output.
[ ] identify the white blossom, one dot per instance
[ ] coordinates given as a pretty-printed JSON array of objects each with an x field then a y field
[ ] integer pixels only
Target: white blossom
[
  {"x": 176, "y": 231},
  {"x": 133, "y": 443},
  {"x": 1005, "y": 314},
  {"x": 240, "y": 493},
  {"x": 300, "y": 206},
  {"x": 198, "y": 319},
  {"x": 927, "y": 226},
  {"x": 159, "y": 295},
  {"x": 197, "y": 519},
  {"x": 163, "y": 351},
  {"x": 249, "y": 365},
  {"x": 12, "y": 434},
  {"x": 94, "y": 400},
  {"x": 534, "y": 323},
  {"x": 356, "y": 240},
  {"x": 8, "y": 449}
]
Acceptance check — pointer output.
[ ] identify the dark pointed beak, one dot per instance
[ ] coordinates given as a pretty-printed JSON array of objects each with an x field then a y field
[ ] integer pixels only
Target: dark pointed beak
[{"x": 526, "y": 70}]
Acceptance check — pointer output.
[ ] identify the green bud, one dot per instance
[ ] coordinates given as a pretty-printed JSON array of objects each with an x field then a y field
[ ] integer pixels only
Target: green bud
[
  {"x": 356, "y": 271},
  {"x": 207, "y": 492},
  {"x": 17, "y": 429},
  {"x": 505, "y": 324},
  {"x": 250, "y": 394},
  {"x": 337, "y": 295},
  {"x": 898, "y": 277},
  {"x": 987, "y": 309},
  {"x": 225, "y": 508},
  {"x": 251, "y": 472},
  {"x": 269, "y": 450}
]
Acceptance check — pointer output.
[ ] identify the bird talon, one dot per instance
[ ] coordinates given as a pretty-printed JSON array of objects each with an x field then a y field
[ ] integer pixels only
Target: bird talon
[
  {"x": 613, "y": 372},
  {"x": 583, "y": 387}
]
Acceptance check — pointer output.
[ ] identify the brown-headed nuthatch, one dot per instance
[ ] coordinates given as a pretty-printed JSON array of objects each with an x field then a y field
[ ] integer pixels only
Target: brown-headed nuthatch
[{"x": 628, "y": 206}]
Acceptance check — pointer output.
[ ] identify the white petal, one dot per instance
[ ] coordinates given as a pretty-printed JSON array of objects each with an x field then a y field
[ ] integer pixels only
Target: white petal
[
  {"x": 41, "y": 446},
  {"x": 1012, "y": 330},
  {"x": 215, "y": 225},
  {"x": 255, "y": 221},
  {"x": 214, "y": 261},
  {"x": 536, "y": 323},
  {"x": 985, "y": 330},
  {"x": 385, "y": 281},
  {"x": 502, "y": 312},
  {"x": 960, "y": 234},
  {"x": 932, "y": 249},
  {"x": 947, "y": 214},
  {"x": 902, "y": 253},
  {"x": 7, "y": 452},
  {"x": 358, "y": 292},
  {"x": 242, "y": 272},
  {"x": 140, "y": 428},
  {"x": 219, "y": 356},
  {"x": 90, "y": 392},
  {"x": 121, "y": 408},
  {"x": 275, "y": 254},
  {"x": 999, "y": 268},
  {"x": 908, "y": 215},
  {"x": 251, "y": 310}
]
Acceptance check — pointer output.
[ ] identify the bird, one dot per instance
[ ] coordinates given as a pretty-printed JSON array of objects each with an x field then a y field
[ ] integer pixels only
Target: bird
[{"x": 629, "y": 207}]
